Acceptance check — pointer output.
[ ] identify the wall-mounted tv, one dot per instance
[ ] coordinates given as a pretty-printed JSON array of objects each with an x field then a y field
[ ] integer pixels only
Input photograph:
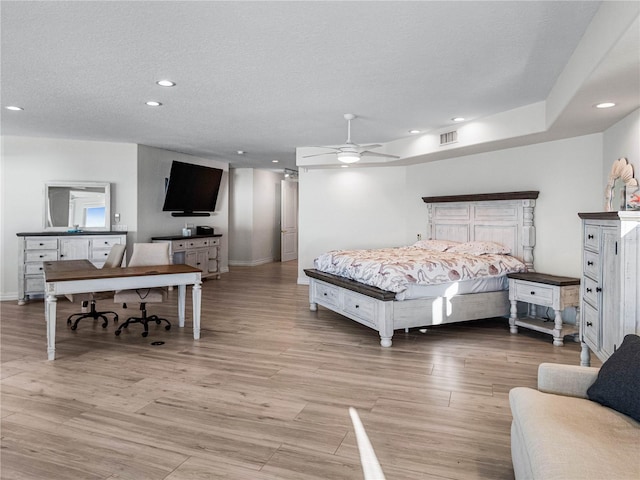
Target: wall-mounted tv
[{"x": 192, "y": 190}]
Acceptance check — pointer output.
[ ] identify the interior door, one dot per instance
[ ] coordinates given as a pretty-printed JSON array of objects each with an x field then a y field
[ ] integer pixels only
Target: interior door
[{"x": 289, "y": 220}]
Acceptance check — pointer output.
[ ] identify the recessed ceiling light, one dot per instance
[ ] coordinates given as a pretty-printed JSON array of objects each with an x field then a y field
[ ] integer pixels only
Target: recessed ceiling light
[
  {"x": 458, "y": 119},
  {"x": 153, "y": 103},
  {"x": 240, "y": 152},
  {"x": 414, "y": 131},
  {"x": 275, "y": 161},
  {"x": 166, "y": 83},
  {"x": 605, "y": 105},
  {"x": 14, "y": 108}
]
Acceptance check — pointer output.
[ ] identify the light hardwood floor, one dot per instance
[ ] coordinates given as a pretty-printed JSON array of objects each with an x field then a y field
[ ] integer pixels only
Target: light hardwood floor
[{"x": 264, "y": 394}]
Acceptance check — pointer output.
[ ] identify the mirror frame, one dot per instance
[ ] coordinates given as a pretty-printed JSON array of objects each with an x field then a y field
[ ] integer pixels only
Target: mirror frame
[
  {"x": 620, "y": 170},
  {"x": 107, "y": 204}
]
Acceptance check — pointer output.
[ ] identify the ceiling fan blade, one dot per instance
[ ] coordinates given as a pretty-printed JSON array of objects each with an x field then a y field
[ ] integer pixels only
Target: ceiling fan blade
[
  {"x": 367, "y": 153},
  {"x": 317, "y": 154},
  {"x": 373, "y": 145},
  {"x": 323, "y": 146}
]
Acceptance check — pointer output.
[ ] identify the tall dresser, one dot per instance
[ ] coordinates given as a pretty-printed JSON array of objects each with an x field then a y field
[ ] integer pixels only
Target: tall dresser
[
  {"x": 610, "y": 288},
  {"x": 38, "y": 247}
]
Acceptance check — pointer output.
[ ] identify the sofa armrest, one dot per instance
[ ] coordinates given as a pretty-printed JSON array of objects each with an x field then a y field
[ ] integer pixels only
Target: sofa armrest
[{"x": 568, "y": 380}]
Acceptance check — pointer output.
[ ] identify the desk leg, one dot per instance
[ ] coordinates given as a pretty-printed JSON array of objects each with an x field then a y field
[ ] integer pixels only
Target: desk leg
[
  {"x": 50, "y": 315},
  {"x": 182, "y": 294},
  {"x": 197, "y": 296}
]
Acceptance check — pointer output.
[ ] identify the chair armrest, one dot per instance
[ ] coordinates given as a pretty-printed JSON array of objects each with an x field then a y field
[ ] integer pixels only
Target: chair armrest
[{"x": 568, "y": 380}]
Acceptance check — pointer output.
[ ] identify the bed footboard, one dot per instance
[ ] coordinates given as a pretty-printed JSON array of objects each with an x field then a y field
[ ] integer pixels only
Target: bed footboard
[{"x": 378, "y": 309}]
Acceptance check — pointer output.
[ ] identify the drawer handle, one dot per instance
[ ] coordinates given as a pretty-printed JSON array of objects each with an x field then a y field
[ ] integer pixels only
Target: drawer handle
[
  {"x": 40, "y": 268},
  {"x": 589, "y": 290},
  {"x": 191, "y": 244},
  {"x": 590, "y": 237},
  {"x": 357, "y": 306},
  {"x": 589, "y": 263},
  {"x": 589, "y": 324},
  {"x": 325, "y": 294},
  {"x": 598, "y": 289},
  {"x": 106, "y": 243},
  {"x": 532, "y": 292},
  {"x": 41, "y": 244},
  {"x": 60, "y": 256}
]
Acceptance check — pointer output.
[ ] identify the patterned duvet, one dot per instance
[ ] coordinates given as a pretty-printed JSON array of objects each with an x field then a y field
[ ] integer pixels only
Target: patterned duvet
[{"x": 393, "y": 268}]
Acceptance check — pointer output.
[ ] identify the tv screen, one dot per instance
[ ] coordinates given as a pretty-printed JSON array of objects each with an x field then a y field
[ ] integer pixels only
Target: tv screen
[{"x": 192, "y": 188}]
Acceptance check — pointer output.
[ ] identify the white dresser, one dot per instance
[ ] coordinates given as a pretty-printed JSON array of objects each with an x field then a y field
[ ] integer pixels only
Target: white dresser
[
  {"x": 199, "y": 251},
  {"x": 610, "y": 288},
  {"x": 39, "y": 247}
]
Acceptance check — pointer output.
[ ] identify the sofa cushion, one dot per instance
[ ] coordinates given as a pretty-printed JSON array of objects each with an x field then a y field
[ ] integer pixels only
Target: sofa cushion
[
  {"x": 569, "y": 437},
  {"x": 618, "y": 382}
]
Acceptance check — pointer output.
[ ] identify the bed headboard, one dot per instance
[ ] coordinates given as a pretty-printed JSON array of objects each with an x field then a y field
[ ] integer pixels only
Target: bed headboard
[{"x": 506, "y": 218}]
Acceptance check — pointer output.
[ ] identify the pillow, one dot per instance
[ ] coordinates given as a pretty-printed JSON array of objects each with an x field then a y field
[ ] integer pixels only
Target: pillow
[
  {"x": 480, "y": 248},
  {"x": 618, "y": 382},
  {"x": 437, "y": 245}
]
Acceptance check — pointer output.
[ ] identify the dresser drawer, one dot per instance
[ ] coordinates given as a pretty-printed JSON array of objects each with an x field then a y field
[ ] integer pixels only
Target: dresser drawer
[
  {"x": 178, "y": 245},
  {"x": 590, "y": 326},
  {"x": 590, "y": 291},
  {"x": 34, "y": 284},
  {"x": 327, "y": 293},
  {"x": 34, "y": 268},
  {"x": 591, "y": 262},
  {"x": 100, "y": 255},
  {"x": 360, "y": 306},
  {"x": 214, "y": 242},
  {"x": 104, "y": 243},
  {"x": 197, "y": 243},
  {"x": 534, "y": 293},
  {"x": 41, "y": 244},
  {"x": 592, "y": 237},
  {"x": 41, "y": 255}
]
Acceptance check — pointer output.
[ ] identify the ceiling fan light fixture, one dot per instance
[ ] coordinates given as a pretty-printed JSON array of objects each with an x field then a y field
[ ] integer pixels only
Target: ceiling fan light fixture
[{"x": 348, "y": 157}]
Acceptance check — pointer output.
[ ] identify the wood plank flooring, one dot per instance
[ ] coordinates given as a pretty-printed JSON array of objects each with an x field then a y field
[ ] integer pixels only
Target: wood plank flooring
[{"x": 264, "y": 394}]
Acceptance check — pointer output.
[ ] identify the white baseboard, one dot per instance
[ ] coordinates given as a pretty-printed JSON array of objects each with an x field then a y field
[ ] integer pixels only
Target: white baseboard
[
  {"x": 251, "y": 263},
  {"x": 8, "y": 296}
]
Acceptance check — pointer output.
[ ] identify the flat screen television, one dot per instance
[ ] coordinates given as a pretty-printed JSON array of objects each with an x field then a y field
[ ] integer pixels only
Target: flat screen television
[{"x": 192, "y": 190}]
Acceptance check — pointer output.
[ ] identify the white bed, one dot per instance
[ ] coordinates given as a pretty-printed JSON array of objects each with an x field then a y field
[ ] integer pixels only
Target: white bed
[{"x": 504, "y": 218}]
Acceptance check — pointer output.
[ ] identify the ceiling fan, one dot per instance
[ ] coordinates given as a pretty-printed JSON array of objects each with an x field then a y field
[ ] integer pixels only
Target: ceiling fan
[{"x": 352, "y": 152}]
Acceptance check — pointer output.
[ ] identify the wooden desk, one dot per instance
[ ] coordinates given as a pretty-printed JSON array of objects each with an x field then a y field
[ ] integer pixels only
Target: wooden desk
[{"x": 80, "y": 276}]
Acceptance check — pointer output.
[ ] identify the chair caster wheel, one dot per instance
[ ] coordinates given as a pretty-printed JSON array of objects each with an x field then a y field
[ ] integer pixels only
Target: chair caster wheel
[
  {"x": 157, "y": 322},
  {"x": 73, "y": 327},
  {"x": 117, "y": 333},
  {"x": 144, "y": 334},
  {"x": 104, "y": 325},
  {"x": 69, "y": 321},
  {"x": 168, "y": 327}
]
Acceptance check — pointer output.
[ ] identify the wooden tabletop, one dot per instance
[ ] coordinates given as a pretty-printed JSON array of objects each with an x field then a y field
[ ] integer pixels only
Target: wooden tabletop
[
  {"x": 545, "y": 278},
  {"x": 68, "y": 270}
]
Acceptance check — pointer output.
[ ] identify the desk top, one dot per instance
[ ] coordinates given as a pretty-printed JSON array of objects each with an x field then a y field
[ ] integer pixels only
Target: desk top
[{"x": 69, "y": 270}]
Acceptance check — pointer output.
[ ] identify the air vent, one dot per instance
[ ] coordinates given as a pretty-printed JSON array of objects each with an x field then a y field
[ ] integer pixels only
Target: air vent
[{"x": 449, "y": 137}]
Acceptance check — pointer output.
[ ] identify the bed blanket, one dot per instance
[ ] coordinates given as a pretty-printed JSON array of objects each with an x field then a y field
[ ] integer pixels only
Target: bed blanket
[{"x": 393, "y": 268}]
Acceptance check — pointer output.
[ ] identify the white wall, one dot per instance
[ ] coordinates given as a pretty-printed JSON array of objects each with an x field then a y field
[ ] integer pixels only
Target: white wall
[
  {"x": 254, "y": 217},
  {"x": 622, "y": 140},
  {"x": 28, "y": 163},
  {"x": 350, "y": 208},
  {"x": 154, "y": 165},
  {"x": 377, "y": 207}
]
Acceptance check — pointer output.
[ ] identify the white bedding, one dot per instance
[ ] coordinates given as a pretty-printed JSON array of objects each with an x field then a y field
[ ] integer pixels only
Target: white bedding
[
  {"x": 396, "y": 269},
  {"x": 477, "y": 285}
]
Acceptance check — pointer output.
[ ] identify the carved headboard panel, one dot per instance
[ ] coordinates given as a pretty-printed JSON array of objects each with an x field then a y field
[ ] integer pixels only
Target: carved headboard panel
[{"x": 506, "y": 218}]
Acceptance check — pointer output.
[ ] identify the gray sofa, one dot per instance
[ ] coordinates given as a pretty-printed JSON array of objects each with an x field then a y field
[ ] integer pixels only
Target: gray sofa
[{"x": 557, "y": 433}]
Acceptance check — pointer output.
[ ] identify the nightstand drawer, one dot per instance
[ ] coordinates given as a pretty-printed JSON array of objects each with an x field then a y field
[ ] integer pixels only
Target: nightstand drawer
[{"x": 534, "y": 293}]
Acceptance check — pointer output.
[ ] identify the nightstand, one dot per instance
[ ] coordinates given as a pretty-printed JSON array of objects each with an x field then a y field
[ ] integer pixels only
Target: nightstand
[{"x": 540, "y": 289}]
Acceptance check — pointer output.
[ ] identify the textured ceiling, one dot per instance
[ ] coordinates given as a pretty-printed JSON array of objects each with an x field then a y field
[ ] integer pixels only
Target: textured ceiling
[{"x": 267, "y": 77}]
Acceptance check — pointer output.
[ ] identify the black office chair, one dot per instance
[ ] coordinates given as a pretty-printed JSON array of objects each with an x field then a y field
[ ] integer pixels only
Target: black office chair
[
  {"x": 114, "y": 260},
  {"x": 145, "y": 254}
]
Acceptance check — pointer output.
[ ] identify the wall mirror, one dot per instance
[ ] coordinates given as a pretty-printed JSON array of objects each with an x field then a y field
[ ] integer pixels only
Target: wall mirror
[
  {"x": 77, "y": 206},
  {"x": 621, "y": 188}
]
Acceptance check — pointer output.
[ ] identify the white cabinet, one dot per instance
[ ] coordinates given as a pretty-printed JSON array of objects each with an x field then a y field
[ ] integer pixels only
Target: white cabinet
[
  {"x": 610, "y": 283},
  {"x": 36, "y": 248},
  {"x": 199, "y": 251}
]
